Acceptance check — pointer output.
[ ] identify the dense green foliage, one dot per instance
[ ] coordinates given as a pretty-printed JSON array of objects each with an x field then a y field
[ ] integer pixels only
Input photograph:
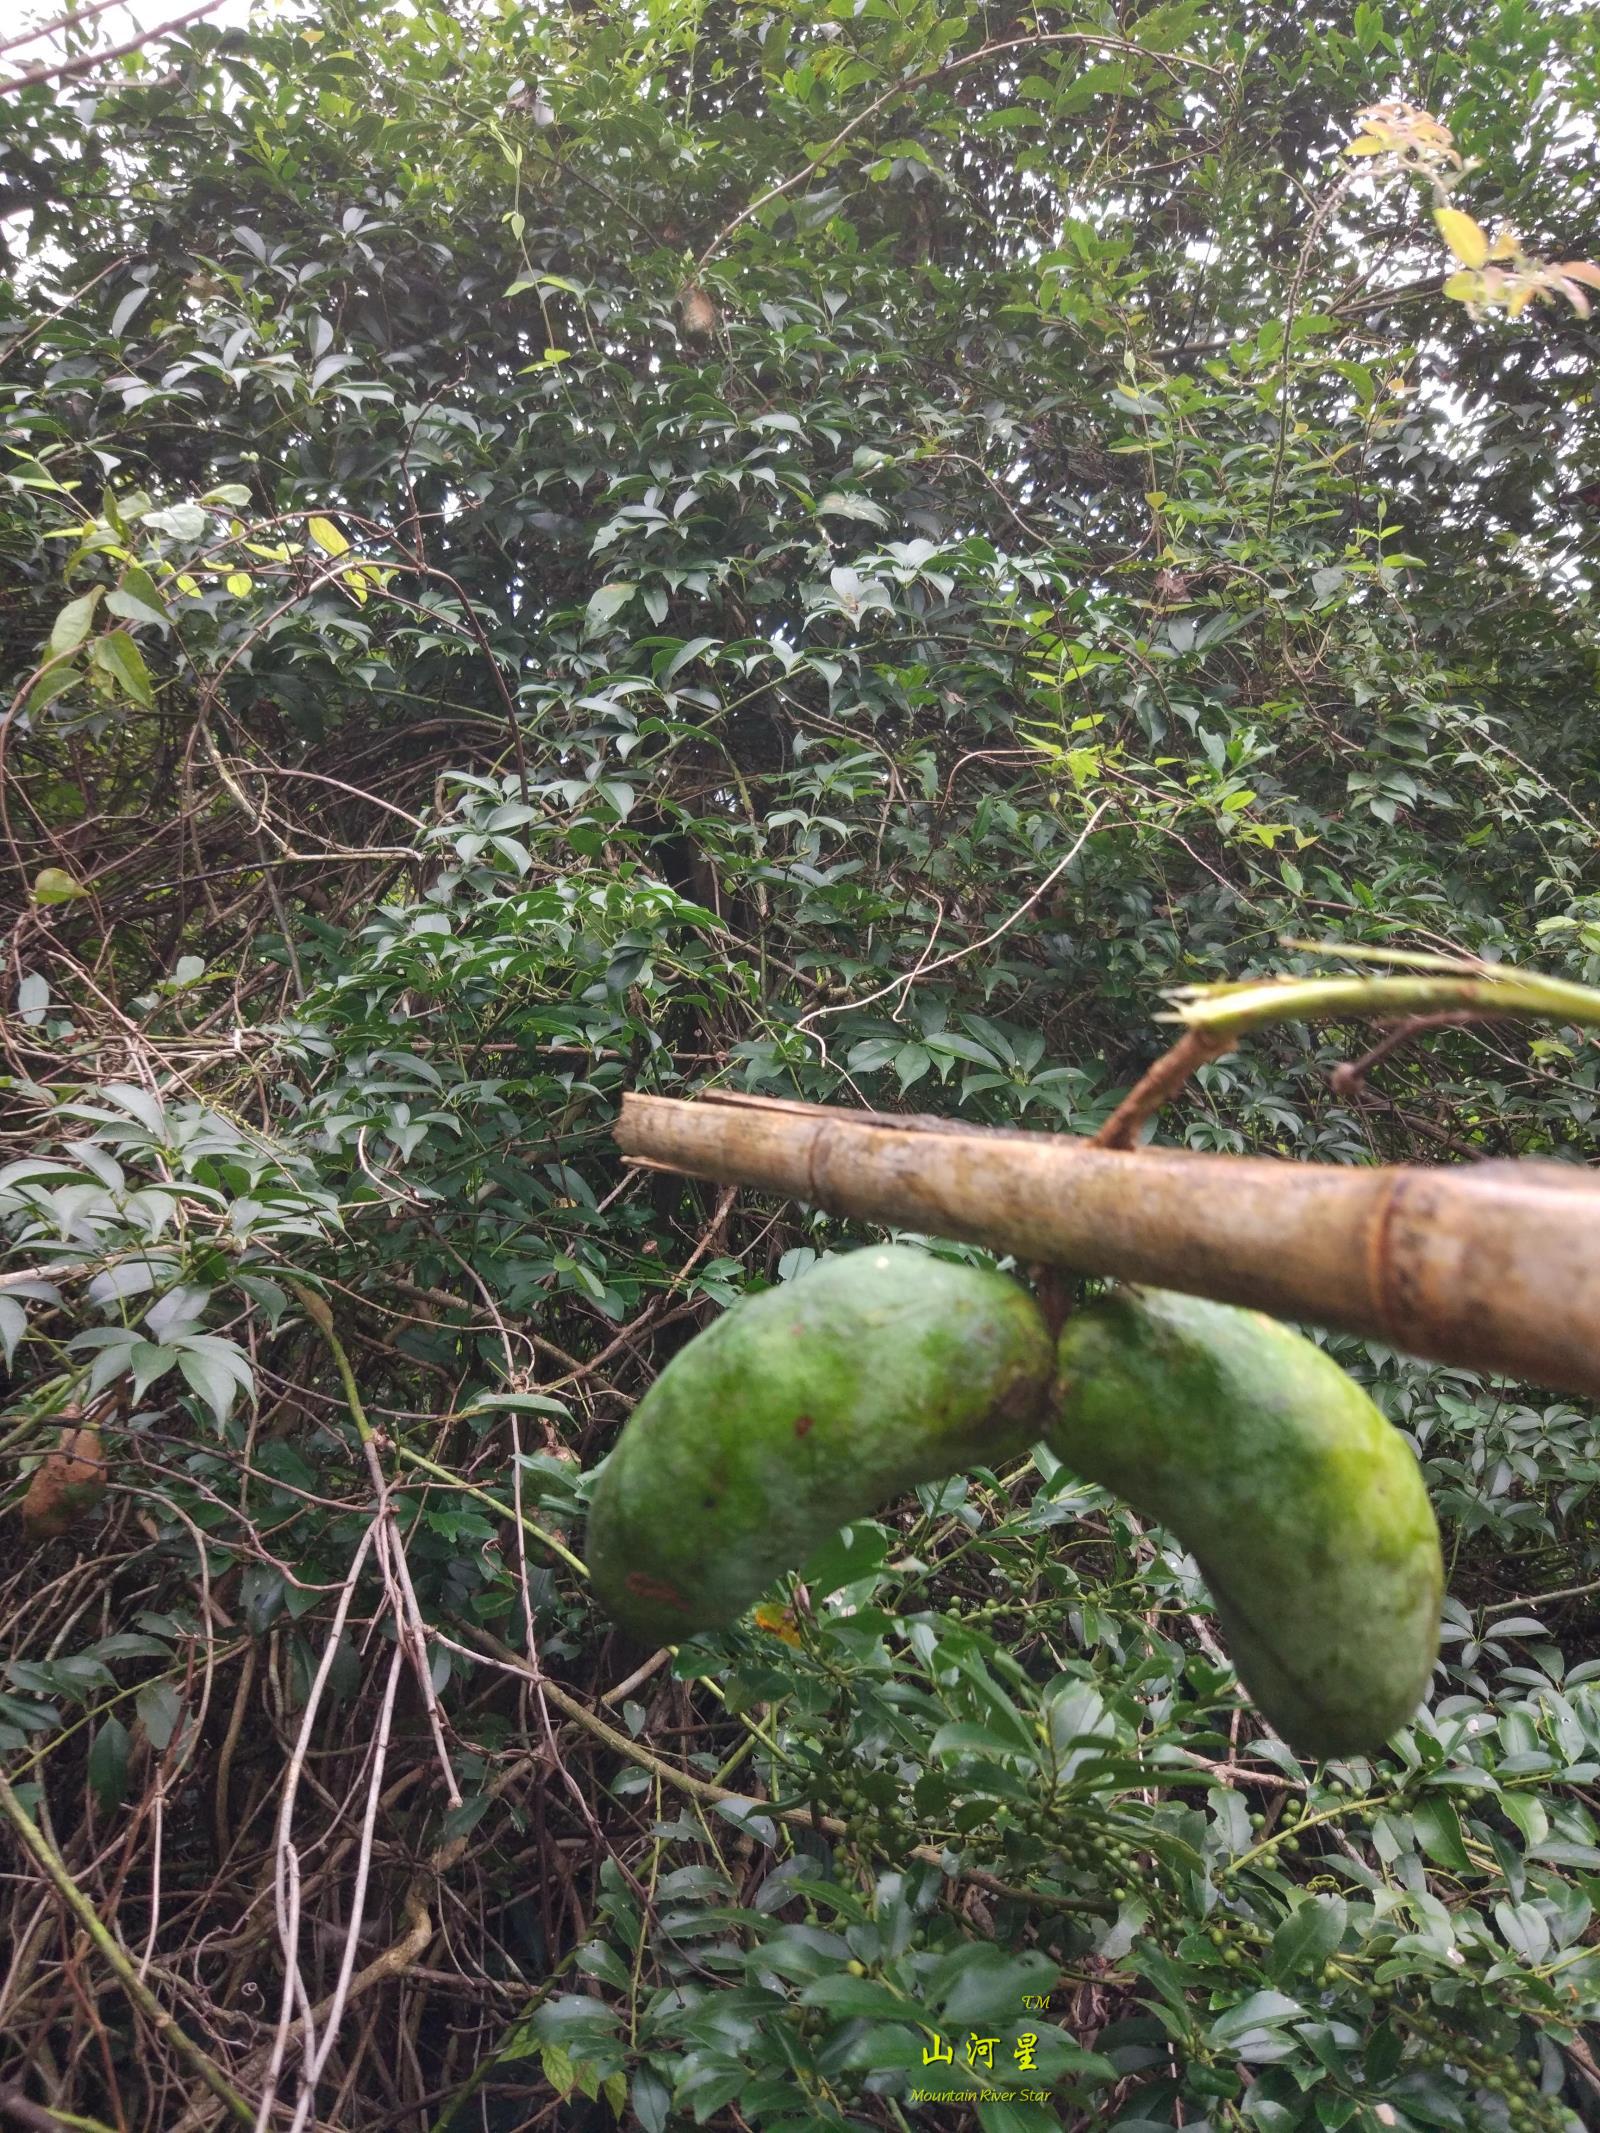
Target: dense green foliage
[{"x": 840, "y": 549}]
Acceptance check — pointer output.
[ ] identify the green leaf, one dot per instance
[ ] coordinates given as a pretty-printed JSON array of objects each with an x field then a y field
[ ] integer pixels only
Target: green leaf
[
  {"x": 852, "y": 1996},
  {"x": 1307, "y": 1937},
  {"x": 52, "y": 885},
  {"x": 185, "y": 523},
  {"x": 120, "y": 657},
  {"x": 13, "y": 1327},
  {"x": 1438, "y": 1829},
  {"x": 108, "y": 1762},
  {"x": 532, "y": 1403},
  {"x": 1525, "y": 1929},
  {"x": 840, "y": 504},
  {"x": 985, "y": 1983},
  {"x": 971, "y": 1739},
  {"x": 125, "y": 310},
  {"x": 131, "y": 1644},
  {"x": 463, "y": 1818},
  {"x": 148, "y": 1361},
  {"x": 159, "y": 1707},
  {"x": 1527, "y": 1814},
  {"x": 606, "y": 603},
  {"x": 858, "y": 1551},
  {"x": 214, "y": 1369},
  {"x": 139, "y": 1104},
  {"x": 136, "y": 598},
  {"x": 73, "y": 623},
  {"x": 651, "y": 2099},
  {"x": 1258, "y": 2010},
  {"x": 596, "y": 1959},
  {"x": 1004, "y": 2114},
  {"x": 911, "y": 1062}
]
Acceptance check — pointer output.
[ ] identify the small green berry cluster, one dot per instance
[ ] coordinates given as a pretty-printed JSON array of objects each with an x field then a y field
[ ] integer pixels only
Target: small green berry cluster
[
  {"x": 1242, "y": 1945},
  {"x": 1285, "y": 1839},
  {"x": 871, "y": 1823},
  {"x": 981, "y": 1612},
  {"x": 1521, "y": 2106},
  {"x": 1093, "y": 1850},
  {"x": 1237, "y": 1940}
]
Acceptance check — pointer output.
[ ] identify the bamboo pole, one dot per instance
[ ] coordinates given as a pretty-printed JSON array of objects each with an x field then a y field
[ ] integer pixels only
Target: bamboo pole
[{"x": 1495, "y": 1265}]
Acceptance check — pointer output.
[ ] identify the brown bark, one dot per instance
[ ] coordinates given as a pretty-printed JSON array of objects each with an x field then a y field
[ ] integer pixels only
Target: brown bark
[
  {"x": 1157, "y": 1086},
  {"x": 1495, "y": 1265}
]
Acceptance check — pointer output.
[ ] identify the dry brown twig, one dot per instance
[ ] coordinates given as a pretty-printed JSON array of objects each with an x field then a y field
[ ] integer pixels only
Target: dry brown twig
[
  {"x": 1347, "y": 1078},
  {"x": 1157, "y": 1086}
]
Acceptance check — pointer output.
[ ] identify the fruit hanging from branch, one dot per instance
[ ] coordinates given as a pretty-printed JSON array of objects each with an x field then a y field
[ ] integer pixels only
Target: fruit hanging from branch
[
  {"x": 820, "y": 1401},
  {"x": 800, "y": 1410}
]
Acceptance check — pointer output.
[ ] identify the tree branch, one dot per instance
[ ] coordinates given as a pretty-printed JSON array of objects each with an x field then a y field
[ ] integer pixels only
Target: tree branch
[
  {"x": 1495, "y": 1265},
  {"x": 62, "y": 69}
]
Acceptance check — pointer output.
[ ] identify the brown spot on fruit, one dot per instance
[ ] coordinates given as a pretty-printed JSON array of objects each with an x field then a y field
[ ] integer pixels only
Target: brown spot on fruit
[
  {"x": 803, "y": 1425},
  {"x": 655, "y": 1589}
]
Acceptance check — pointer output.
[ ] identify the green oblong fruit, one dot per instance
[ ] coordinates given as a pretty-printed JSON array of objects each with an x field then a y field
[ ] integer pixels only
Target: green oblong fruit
[
  {"x": 800, "y": 1410},
  {"x": 1305, "y": 1510}
]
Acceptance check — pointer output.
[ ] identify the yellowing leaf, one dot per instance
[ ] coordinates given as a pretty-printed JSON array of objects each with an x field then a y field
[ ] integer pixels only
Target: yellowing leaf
[
  {"x": 777, "y": 1622},
  {"x": 327, "y": 536},
  {"x": 239, "y": 583},
  {"x": 1469, "y": 243},
  {"x": 1364, "y": 145},
  {"x": 356, "y": 580},
  {"x": 1464, "y": 288},
  {"x": 53, "y": 885},
  {"x": 559, "y": 2070}
]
